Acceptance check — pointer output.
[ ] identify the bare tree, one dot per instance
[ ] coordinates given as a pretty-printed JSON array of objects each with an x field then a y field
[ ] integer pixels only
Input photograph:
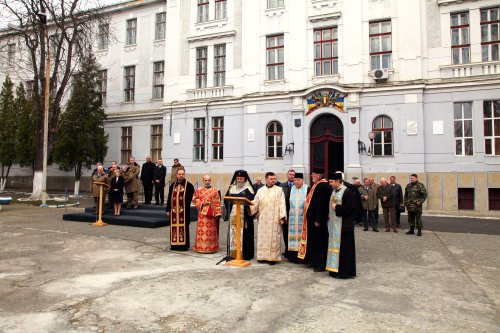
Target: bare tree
[{"x": 63, "y": 30}]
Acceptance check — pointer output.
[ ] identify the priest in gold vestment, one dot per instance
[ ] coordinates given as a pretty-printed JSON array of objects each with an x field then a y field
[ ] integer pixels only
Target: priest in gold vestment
[{"x": 269, "y": 205}]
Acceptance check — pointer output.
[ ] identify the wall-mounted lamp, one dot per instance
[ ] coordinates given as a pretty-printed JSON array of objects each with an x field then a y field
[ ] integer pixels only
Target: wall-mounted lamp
[
  {"x": 289, "y": 149},
  {"x": 362, "y": 147}
]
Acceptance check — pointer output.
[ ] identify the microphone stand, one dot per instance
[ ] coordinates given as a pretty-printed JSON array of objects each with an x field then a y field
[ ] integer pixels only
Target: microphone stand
[{"x": 228, "y": 245}]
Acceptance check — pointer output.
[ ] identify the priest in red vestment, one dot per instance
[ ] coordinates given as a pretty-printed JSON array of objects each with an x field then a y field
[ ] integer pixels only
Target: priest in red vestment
[{"x": 207, "y": 201}]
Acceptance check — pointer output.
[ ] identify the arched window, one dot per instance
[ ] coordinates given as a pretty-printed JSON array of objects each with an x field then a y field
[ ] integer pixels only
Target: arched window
[
  {"x": 383, "y": 139},
  {"x": 274, "y": 136}
]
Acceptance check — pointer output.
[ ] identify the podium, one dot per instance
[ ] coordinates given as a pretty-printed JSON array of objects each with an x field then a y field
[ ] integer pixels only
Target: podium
[
  {"x": 238, "y": 201},
  {"x": 99, "y": 222}
]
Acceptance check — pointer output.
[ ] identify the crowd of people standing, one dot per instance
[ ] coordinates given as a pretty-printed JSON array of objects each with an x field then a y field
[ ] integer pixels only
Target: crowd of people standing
[{"x": 315, "y": 223}]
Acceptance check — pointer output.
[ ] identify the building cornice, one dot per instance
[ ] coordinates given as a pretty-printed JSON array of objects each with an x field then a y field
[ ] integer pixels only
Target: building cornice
[
  {"x": 450, "y": 2},
  {"x": 325, "y": 17},
  {"x": 214, "y": 35}
]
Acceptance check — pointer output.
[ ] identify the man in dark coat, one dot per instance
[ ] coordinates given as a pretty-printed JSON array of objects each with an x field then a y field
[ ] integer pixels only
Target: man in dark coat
[
  {"x": 147, "y": 180},
  {"x": 287, "y": 187},
  {"x": 398, "y": 199},
  {"x": 180, "y": 195},
  {"x": 159, "y": 174},
  {"x": 385, "y": 193},
  {"x": 314, "y": 237}
]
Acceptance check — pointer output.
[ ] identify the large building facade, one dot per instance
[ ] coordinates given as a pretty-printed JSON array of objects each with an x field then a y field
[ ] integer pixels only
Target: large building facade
[{"x": 372, "y": 88}]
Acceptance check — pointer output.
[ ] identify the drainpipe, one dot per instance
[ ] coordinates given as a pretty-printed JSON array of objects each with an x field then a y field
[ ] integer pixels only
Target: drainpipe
[{"x": 206, "y": 131}]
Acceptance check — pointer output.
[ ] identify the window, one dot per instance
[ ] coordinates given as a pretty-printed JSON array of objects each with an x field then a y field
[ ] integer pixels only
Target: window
[
  {"x": 275, "y": 53},
  {"x": 103, "y": 37},
  {"x": 219, "y": 65},
  {"x": 158, "y": 73},
  {"x": 131, "y": 32},
  {"x": 491, "y": 115},
  {"x": 466, "y": 198},
  {"x": 494, "y": 198},
  {"x": 275, "y": 3},
  {"x": 202, "y": 11},
  {"x": 490, "y": 23},
  {"x": 199, "y": 139},
  {"x": 102, "y": 83},
  {"x": 382, "y": 141},
  {"x": 274, "y": 134},
  {"x": 463, "y": 129},
  {"x": 11, "y": 54},
  {"x": 460, "y": 44},
  {"x": 156, "y": 142},
  {"x": 326, "y": 52},
  {"x": 217, "y": 138},
  {"x": 380, "y": 45},
  {"x": 160, "y": 26},
  {"x": 201, "y": 67},
  {"x": 129, "y": 83},
  {"x": 126, "y": 144},
  {"x": 53, "y": 41},
  {"x": 220, "y": 9},
  {"x": 30, "y": 89}
]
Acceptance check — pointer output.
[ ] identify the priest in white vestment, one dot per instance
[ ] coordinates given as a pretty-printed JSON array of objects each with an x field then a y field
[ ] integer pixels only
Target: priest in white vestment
[{"x": 269, "y": 205}]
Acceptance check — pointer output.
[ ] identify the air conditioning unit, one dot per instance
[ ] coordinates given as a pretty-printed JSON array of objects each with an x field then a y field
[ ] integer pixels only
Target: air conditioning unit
[{"x": 380, "y": 74}]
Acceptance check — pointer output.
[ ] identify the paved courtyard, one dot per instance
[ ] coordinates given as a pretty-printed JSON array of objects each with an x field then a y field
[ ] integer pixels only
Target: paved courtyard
[{"x": 58, "y": 276}]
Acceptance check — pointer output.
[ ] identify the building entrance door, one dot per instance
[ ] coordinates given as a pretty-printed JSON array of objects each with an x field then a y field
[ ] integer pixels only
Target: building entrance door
[{"x": 327, "y": 144}]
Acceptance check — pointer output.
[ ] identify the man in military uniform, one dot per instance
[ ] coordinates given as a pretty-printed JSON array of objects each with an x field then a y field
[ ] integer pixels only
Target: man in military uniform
[
  {"x": 415, "y": 195},
  {"x": 131, "y": 175}
]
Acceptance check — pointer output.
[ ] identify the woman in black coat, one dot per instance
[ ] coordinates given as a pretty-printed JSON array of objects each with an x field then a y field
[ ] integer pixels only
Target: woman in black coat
[{"x": 116, "y": 190}]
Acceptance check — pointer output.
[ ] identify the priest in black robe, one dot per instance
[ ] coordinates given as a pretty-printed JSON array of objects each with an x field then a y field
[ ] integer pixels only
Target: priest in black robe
[
  {"x": 314, "y": 239},
  {"x": 180, "y": 195},
  {"x": 241, "y": 186}
]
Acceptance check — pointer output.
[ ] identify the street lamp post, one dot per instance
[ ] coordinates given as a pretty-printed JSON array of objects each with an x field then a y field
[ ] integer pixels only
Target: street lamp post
[{"x": 43, "y": 20}]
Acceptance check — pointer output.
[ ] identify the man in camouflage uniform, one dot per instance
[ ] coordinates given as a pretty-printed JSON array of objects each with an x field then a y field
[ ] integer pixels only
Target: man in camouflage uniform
[
  {"x": 132, "y": 185},
  {"x": 415, "y": 195}
]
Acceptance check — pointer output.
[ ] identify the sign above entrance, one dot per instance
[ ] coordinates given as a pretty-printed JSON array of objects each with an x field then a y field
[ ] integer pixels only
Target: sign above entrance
[{"x": 325, "y": 99}]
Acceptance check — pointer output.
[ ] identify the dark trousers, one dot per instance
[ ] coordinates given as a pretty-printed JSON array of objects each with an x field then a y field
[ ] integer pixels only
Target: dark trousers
[
  {"x": 415, "y": 219},
  {"x": 390, "y": 217},
  {"x": 148, "y": 193},
  {"x": 159, "y": 195},
  {"x": 369, "y": 219},
  {"x": 285, "y": 237},
  {"x": 398, "y": 215}
]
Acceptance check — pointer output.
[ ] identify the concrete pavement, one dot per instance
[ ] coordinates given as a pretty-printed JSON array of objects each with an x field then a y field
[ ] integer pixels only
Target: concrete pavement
[{"x": 58, "y": 276}]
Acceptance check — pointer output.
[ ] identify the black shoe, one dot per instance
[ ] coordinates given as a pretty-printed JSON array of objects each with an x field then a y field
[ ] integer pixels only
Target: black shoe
[
  {"x": 375, "y": 230},
  {"x": 365, "y": 229},
  {"x": 411, "y": 231},
  {"x": 319, "y": 269},
  {"x": 419, "y": 232}
]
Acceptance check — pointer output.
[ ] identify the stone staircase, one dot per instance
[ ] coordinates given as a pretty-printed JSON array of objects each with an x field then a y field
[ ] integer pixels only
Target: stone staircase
[{"x": 145, "y": 216}]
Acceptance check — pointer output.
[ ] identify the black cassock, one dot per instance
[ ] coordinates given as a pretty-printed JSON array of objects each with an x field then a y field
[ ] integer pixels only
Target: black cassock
[
  {"x": 188, "y": 197},
  {"x": 317, "y": 237},
  {"x": 347, "y": 258}
]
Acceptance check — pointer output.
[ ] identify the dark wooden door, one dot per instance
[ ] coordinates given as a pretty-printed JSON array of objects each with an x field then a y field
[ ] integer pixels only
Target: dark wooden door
[{"x": 327, "y": 144}]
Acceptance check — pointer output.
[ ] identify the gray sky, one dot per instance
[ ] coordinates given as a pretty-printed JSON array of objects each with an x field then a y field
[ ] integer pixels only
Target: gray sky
[{"x": 5, "y": 20}]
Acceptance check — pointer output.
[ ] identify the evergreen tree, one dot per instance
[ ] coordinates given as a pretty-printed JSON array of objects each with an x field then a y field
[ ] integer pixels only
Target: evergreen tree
[
  {"x": 80, "y": 141},
  {"x": 25, "y": 149},
  {"x": 8, "y": 128}
]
